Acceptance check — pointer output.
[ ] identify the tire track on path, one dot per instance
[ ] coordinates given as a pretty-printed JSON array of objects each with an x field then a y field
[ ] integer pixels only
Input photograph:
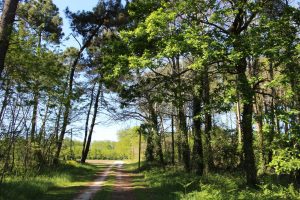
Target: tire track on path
[{"x": 95, "y": 186}]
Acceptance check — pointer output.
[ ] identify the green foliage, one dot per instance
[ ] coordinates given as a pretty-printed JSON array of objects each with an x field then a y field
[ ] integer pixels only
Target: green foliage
[
  {"x": 43, "y": 17},
  {"x": 286, "y": 161},
  {"x": 126, "y": 148},
  {"x": 224, "y": 145},
  {"x": 217, "y": 186}
]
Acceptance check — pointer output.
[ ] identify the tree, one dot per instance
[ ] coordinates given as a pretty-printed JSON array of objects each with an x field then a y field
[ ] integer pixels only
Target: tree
[{"x": 6, "y": 26}]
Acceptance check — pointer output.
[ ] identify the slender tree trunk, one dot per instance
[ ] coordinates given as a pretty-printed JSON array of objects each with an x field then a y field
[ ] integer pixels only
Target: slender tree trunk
[
  {"x": 66, "y": 114},
  {"x": 259, "y": 123},
  {"x": 238, "y": 121},
  {"x": 271, "y": 135},
  {"x": 87, "y": 121},
  {"x": 6, "y": 26},
  {"x": 208, "y": 118},
  {"x": 42, "y": 131},
  {"x": 185, "y": 139},
  {"x": 173, "y": 142},
  {"x": 89, "y": 139},
  {"x": 140, "y": 148},
  {"x": 34, "y": 114},
  {"x": 67, "y": 104},
  {"x": 179, "y": 140}
]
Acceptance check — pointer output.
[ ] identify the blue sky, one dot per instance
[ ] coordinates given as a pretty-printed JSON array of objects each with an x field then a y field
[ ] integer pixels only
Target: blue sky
[
  {"x": 74, "y": 5},
  {"x": 101, "y": 132}
]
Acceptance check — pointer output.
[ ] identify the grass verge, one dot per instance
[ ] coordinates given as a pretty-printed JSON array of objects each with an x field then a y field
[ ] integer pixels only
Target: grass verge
[
  {"x": 175, "y": 184},
  {"x": 60, "y": 183}
]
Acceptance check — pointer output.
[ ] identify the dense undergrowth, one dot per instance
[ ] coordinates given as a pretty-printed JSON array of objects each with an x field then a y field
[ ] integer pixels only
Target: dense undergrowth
[{"x": 174, "y": 183}]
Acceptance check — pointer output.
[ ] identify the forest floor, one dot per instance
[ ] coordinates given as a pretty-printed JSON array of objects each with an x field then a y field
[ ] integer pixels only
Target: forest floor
[{"x": 116, "y": 180}]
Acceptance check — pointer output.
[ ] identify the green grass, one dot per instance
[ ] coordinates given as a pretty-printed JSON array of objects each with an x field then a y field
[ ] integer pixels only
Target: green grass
[
  {"x": 108, "y": 186},
  {"x": 63, "y": 182},
  {"x": 169, "y": 184}
]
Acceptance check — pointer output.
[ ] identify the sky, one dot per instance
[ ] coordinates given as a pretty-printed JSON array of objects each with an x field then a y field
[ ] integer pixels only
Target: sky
[
  {"x": 74, "y": 5},
  {"x": 101, "y": 131}
]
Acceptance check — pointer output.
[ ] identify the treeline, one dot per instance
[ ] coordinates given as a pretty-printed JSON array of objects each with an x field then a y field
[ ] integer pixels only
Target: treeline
[
  {"x": 126, "y": 148},
  {"x": 181, "y": 67}
]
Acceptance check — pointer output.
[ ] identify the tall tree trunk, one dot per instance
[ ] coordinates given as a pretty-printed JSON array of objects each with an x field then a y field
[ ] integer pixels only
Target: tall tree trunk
[
  {"x": 173, "y": 141},
  {"x": 259, "y": 122},
  {"x": 87, "y": 121},
  {"x": 89, "y": 139},
  {"x": 67, "y": 104},
  {"x": 271, "y": 135},
  {"x": 208, "y": 118},
  {"x": 42, "y": 131},
  {"x": 198, "y": 148},
  {"x": 149, "y": 153},
  {"x": 34, "y": 113},
  {"x": 6, "y": 25},
  {"x": 238, "y": 120},
  {"x": 247, "y": 94},
  {"x": 155, "y": 128},
  {"x": 5, "y": 101},
  {"x": 185, "y": 138}
]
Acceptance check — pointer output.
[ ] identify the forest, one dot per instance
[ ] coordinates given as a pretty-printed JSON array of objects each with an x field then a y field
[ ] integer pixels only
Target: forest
[{"x": 214, "y": 85}]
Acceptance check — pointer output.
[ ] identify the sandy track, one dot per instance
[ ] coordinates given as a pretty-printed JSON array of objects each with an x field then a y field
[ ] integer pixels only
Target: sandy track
[
  {"x": 123, "y": 187},
  {"x": 95, "y": 186}
]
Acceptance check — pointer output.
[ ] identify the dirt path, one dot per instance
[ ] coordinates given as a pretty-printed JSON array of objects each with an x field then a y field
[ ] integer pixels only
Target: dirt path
[
  {"x": 122, "y": 187},
  {"x": 95, "y": 186}
]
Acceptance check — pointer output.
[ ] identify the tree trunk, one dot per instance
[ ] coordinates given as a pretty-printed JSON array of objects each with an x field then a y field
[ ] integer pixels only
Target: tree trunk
[
  {"x": 149, "y": 153},
  {"x": 6, "y": 25},
  {"x": 271, "y": 135},
  {"x": 173, "y": 142},
  {"x": 208, "y": 118},
  {"x": 89, "y": 139},
  {"x": 155, "y": 128},
  {"x": 34, "y": 114},
  {"x": 70, "y": 93},
  {"x": 5, "y": 101},
  {"x": 66, "y": 113},
  {"x": 198, "y": 148},
  {"x": 87, "y": 122},
  {"x": 42, "y": 131},
  {"x": 185, "y": 139},
  {"x": 259, "y": 123},
  {"x": 247, "y": 94},
  {"x": 140, "y": 148}
]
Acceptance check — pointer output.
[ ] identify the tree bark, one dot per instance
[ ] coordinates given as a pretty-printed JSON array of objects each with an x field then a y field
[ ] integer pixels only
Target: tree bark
[
  {"x": 34, "y": 114},
  {"x": 87, "y": 122},
  {"x": 173, "y": 141},
  {"x": 198, "y": 148},
  {"x": 185, "y": 139},
  {"x": 259, "y": 123},
  {"x": 247, "y": 94},
  {"x": 6, "y": 26},
  {"x": 89, "y": 139},
  {"x": 208, "y": 118},
  {"x": 155, "y": 128}
]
